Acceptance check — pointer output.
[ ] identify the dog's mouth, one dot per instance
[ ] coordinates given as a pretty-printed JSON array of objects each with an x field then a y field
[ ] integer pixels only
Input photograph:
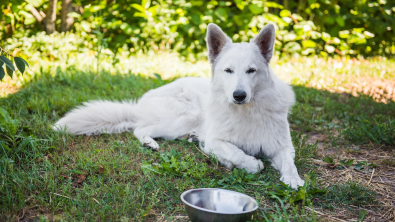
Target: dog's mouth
[{"x": 239, "y": 103}]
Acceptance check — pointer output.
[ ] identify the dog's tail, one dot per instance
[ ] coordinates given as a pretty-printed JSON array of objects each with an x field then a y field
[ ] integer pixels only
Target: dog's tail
[{"x": 97, "y": 117}]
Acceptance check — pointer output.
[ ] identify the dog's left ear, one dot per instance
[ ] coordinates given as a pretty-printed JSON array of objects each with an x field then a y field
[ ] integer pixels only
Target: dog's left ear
[{"x": 265, "y": 41}]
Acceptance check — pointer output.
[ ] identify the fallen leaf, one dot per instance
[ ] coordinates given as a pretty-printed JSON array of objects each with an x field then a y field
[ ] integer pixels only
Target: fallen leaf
[
  {"x": 81, "y": 178},
  {"x": 66, "y": 177},
  {"x": 48, "y": 157},
  {"x": 101, "y": 168}
]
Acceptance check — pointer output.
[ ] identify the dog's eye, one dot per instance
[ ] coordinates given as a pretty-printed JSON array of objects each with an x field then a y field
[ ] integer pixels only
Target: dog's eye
[
  {"x": 251, "y": 70},
  {"x": 228, "y": 70}
]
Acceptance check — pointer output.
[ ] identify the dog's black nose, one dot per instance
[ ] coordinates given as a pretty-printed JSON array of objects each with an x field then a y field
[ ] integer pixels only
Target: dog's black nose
[{"x": 239, "y": 95}]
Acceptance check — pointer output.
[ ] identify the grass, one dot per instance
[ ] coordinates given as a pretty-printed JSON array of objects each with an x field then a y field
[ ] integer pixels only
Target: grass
[{"x": 46, "y": 175}]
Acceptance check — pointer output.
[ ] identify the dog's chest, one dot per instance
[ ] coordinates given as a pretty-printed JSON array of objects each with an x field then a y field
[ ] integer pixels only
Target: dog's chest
[{"x": 256, "y": 132}]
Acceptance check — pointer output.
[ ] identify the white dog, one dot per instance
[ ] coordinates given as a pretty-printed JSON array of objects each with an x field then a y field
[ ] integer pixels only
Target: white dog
[{"x": 239, "y": 115}]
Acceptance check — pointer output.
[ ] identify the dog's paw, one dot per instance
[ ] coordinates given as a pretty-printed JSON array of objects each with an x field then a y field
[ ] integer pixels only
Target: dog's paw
[
  {"x": 292, "y": 181},
  {"x": 149, "y": 142},
  {"x": 252, "y": 165},
  {"x": 192, "y": 138},
  {"x": 229, "y": 165}
]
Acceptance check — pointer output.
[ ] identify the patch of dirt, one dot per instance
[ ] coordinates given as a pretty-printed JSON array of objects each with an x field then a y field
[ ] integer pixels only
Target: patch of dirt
[
  {"x": 380, "y": 179},
  {"x": 34, "y": 213}
]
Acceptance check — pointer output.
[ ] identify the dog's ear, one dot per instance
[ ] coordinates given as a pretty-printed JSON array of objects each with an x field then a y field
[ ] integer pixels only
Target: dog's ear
[
  {"x": 216, "y": 40},
  {"x": 265, "y": 41}
]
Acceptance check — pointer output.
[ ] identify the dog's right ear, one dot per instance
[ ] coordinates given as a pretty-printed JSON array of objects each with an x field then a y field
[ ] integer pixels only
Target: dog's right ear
[{"x": 216, "y": 40}]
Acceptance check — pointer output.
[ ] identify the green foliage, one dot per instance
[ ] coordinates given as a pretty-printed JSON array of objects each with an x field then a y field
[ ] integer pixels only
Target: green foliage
[
  {"x": 19, "y": 62},
  {"x": 240, "y": 177},
  {"x": 176, "y": 164},
  {"x": 14, "y": 145},
  {"x": 304, "y": 194},
  {"x": 380, "y": 130},
  {"x": 348, "y": 193},
  {"x": 366, "y": 27},
  {"x": 318, "y": 27},
  {"x": 304, "y": 151},
  {"x": 365, "y": 165}
]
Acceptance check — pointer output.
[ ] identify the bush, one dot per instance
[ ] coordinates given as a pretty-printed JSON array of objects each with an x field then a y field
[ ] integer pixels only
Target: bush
[{"x": 325, "y": 28}]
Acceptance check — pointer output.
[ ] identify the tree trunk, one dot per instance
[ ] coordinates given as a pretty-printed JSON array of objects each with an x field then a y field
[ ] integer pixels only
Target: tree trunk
[
  {"x": 50, "y": 18},
  {"x": 67, "y": 22}
]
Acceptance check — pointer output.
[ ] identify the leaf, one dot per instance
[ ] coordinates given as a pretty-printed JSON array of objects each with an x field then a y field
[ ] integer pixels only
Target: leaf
[
  {"x": 308, "y": 44},
  {"x": 273, "y": 5},
  {"x": 9, "y": 71},
  {"x": 101, "y": 168},
  {"x": 81, "y": 178},
  {"x": 340, "y": 21},
  {"x": 159, "y": 78},
  {"x": 2, "y": 73},
  {"x": 73, "y": 14},
  {"x": 7, "y": 62},
  {"x": 347, "y": 162},
  {"x": 344, "y": 34},
  {"x": 329, "y": 48},
  {"x": 5, "y": 115},
  {"x": 222, "y": 14},
  {"x": 301, "y": 195},
  {"x": 146, "y": 3},
  {"x": 328, "y": 159},
  {"x": 359, "y": 166},
  {"x": 148, "y": 168},
  {"x": 292, "y": 47},
  {"x": 317, "y": 191},
  {"x": 285, "y": 13},
  {"x": 255, "y": 9},
  {"x": 138, "y": 7},
  {"x": 5, "y": 146},
  {"x": 240, "y": 4}
]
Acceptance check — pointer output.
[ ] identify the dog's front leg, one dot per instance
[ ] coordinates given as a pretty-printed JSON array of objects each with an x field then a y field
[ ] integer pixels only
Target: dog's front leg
[
  {"x": 231, "y": 156},
  {"x": 283, "y": 161}
]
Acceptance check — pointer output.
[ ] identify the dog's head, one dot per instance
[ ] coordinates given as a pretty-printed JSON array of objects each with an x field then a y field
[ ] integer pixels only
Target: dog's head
[{"x": 240, "y": 70}]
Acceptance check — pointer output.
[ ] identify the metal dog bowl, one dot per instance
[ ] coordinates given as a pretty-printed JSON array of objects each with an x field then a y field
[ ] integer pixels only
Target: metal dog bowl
[{"x": 212, "y": 205}]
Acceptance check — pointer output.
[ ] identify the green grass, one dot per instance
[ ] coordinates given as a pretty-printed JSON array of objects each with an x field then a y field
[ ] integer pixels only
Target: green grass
[{"x": 112, "y": 177}]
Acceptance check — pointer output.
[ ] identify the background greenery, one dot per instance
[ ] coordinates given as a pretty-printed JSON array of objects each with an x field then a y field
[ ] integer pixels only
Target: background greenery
[{"x": 305, "y": 27}]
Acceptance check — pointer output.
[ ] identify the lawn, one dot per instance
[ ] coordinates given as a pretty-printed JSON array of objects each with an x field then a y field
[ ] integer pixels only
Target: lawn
[{"x": 343, "y": 130}]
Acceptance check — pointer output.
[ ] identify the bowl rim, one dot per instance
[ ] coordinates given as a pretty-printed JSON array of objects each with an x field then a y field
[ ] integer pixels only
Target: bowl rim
[{"x": 216, "y": 212}]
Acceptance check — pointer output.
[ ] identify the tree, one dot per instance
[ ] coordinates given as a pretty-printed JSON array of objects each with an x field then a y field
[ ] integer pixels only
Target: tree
[
  {"x": 50, "y": 18},
  {"x": 67, "y": 22}
]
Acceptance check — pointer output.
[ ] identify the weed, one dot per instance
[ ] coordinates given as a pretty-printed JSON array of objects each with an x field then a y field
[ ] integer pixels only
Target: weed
[
  {"x": 177, "y": 164},
  {"x": 348, "y": 193},
  {"x": 380, "y": 130},
  {"x": 304, "y": 151}
]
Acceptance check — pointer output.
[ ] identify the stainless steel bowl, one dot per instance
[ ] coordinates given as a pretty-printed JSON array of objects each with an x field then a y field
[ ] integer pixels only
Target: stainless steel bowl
[{"x": 213, "y": 204}]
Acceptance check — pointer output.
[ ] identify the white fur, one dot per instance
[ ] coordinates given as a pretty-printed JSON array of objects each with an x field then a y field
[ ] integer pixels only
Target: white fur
[{"x": 236, "y": 132}]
